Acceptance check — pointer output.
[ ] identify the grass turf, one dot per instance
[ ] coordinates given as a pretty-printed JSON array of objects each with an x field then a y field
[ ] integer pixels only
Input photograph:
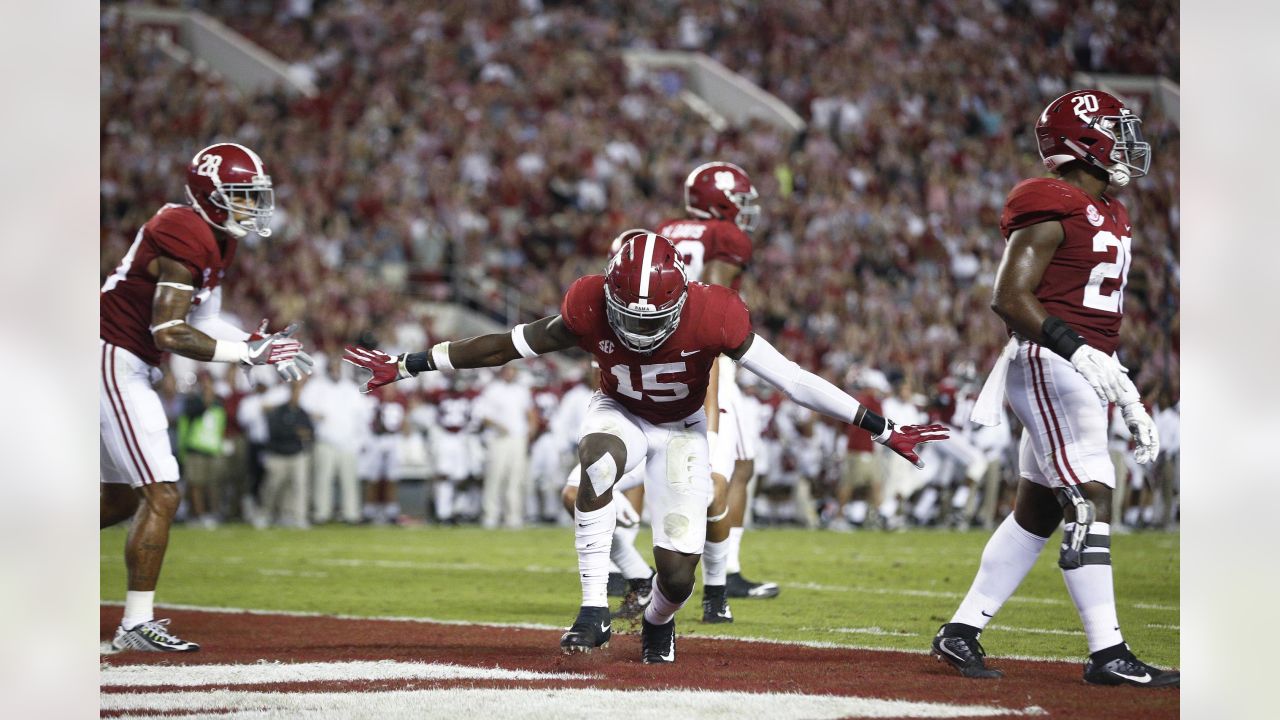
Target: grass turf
[{"x": 867, "y": 589}]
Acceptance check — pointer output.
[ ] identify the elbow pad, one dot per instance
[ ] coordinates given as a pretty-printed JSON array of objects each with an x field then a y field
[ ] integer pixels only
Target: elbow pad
[{"x": 799, "y": 384}]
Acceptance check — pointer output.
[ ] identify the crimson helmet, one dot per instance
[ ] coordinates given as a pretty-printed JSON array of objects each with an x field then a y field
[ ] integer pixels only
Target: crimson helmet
[
  {"x": 623, "y": 236},
  {"x": 645, "y": 288},
  {"x": 721, "y": 190},
  {"x": 228, "y": 186},
  {"x": 1095, "y": 127}
]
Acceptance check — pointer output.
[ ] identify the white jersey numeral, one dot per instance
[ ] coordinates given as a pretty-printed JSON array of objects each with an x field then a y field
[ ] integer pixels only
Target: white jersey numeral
[
  {"x": 693, "y": 252},
  {"x": 1093, "y": 295},
  {"x": 123, "y": 269},
  {"x": 649, "y": 382}
]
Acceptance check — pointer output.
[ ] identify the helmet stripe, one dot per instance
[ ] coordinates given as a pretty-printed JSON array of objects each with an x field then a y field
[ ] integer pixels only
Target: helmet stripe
[{"x": 649, "y": 242}]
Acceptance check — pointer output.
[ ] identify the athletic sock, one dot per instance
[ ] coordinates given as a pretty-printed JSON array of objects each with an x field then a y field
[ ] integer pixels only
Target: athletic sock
[
  {"x": 444, "y": 500},
  {"x": 660, "y": 609},
  {"x": 714, "y": 559},
  {"x": 625, "y": 555},
  {"x": 1008, "y": 557},
  {"x": 732, "y": 563},
  {"x": 1092, "y": 589},
  {"x": 593, "y": 535},
  {"x": 139, "y": 607}
]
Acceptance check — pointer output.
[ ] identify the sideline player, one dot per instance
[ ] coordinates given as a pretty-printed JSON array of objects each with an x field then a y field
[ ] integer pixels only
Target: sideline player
[
  {"x": 655, "y": 336},
  {"x": 1060, "y": 291},
  {"x": 165, "y": 296},
  {"x": 713, "y": 241}
]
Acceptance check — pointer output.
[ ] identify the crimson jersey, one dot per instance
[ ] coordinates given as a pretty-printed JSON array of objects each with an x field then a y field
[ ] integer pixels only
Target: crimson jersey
[
  {"x": 669, "y": 383},
  {"x": 175, "y": 232},
  {"x": 1084, "y": 282},
  {"x": 701, "y": 241},
  {"x": 453, "y": 409}
]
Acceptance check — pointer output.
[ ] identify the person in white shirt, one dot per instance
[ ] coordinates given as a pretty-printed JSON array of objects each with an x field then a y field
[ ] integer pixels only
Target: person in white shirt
[
  {"x": 506, "y": 410},
  {"x": 341, "y": 418}
]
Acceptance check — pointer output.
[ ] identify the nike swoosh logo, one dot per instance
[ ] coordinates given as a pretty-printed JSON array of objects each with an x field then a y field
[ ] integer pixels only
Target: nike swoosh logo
[
  {"x": 691, "y": 424},
  {"x": 671, "y": 656},
  {"x": 986, "y": 614},
  {"x": 605, "y": 628},
  {"x": 1143, "y": 678},
  {"x": 684, "y": 353}
]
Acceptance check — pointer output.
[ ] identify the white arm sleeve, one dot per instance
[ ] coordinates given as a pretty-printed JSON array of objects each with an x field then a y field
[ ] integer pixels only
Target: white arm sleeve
[
  {"x": 207, "y": 318},
  {"x": 802, "y": 386}
]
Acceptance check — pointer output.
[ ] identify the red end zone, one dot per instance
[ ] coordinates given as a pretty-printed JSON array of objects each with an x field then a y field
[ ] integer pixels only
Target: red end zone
[{"x": 326, "y": 643}]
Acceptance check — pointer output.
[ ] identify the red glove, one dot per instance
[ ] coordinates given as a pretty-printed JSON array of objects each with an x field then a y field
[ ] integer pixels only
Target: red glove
[
  {"x": 386, "y": 368},
  {"x": 903, "y": 440}
]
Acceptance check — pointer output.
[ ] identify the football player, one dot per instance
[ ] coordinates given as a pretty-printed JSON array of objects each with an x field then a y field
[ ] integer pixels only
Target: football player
[
  {"x": 655, "y": 336},
  {"x": 713, "y": 241},
  {"x": 1060, "y": 291},
  {"x": 165, "y": 296}
]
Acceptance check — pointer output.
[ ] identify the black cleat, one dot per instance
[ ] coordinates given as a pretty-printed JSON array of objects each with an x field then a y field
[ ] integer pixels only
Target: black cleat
[
  {"x": 715, "y": 606},
  {"x": 961, "y": 650},
  {"x": 591, "y": 630},
  {"x": 658, "y": 642},
  {"x": 737, "y": 586},
  {"x": 617, "y": 586},
  {"x": 1116, "y": 665},
  {"x": 639, "y": 593}
]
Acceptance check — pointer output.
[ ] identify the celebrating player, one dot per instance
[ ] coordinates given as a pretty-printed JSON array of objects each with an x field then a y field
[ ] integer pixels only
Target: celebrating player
[
  {"x": 655, "y": 336},
  {"x": 165, "y": 296},
  {"x": 1060, "y": 291}
]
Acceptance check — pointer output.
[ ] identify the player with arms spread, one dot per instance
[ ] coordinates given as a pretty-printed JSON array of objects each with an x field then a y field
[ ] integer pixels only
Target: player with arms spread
[
  {"x": 166, "y": 296},
  {"x": 655, "y": 336},
  {"x": 714, "y": 243},
  {"x": 1060, "y": 290}
]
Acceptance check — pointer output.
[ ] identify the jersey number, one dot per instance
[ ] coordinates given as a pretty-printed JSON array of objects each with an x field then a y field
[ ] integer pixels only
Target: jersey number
[
  {"x": 649, "y": 382},
  {"x": 692, "y": 251},
  {"x": 122, "y": 270},
  {"x": 1108, "y": 272}
]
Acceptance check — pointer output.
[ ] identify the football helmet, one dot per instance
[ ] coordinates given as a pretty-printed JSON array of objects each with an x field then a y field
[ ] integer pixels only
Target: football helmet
[
  {"x": 721, "y": 190},
  {"x": 645, "y": 289},
  {"x": 228, "y": 186},
  {"x": 1095, "y": 127}
]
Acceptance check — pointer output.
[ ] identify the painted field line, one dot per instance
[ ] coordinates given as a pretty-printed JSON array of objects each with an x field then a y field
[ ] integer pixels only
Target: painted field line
[
  {"x": 1037, "y": 631},
  {"x": 1160, "y": 626},
  {"x": 946, "y": 594},
  {"x": 524, "y": 703},
  {"x": 868, "y": 631},
  {"x": 820, "y": 644},
  {"x": 265, "y": 673}
]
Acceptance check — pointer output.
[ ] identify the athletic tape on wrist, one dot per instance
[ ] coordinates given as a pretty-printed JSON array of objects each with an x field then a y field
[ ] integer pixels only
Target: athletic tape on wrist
[
  {"x": 522, "y": 345},
  {"x": 440, "y": 355},
  {"x": 228, "y": 351}
]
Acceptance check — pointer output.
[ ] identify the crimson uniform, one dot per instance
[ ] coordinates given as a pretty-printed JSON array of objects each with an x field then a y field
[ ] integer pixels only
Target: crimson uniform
[
  {"x": 135, "y": 444},
  {"x": 453, "y": 443},
  {"x": 653, "y": 402},
  {"x": 1065, "y": 435}
]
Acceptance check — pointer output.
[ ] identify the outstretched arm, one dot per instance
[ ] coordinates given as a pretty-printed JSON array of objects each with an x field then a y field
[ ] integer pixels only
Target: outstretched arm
[
  {"x": 815, "y": 393},
  {"x": 542, "y": 336}
]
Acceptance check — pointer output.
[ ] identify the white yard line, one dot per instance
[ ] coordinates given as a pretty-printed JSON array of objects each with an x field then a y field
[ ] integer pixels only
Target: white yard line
[{"x": 271, "y": 673}]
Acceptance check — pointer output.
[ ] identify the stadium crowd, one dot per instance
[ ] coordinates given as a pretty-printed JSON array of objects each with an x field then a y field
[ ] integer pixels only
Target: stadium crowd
[{"x": 456, "y": 144}]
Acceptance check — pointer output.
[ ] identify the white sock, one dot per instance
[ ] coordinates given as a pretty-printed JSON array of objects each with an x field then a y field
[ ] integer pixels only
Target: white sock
[
  {"x": 624, "y": 554},
  {"x": 732, "y": 564},
  {"x": 444, "y": 500},
  {"x": 660, "y": 609},
  {"x": 139, "y": 607},
  {"x": 714, "y": 558},
  {"x": 1092, "y": 589},
  {"x": 1009, "y": 556},
  {"x": 593, "y": 535}
]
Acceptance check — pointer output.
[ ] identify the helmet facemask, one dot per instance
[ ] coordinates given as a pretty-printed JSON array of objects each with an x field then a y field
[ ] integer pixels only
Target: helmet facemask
[
  {"x": 1130, "y": 153},
  {"x": 642, "y": 327},
  {"x": 748, "y": 212},
  {"x": 254, "y": 202}
]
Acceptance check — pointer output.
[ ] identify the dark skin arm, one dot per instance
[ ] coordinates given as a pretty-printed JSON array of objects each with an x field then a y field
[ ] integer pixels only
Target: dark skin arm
[
  {"x": 546, "y": 335},
  {"x": 170, "y": 303},
  {"x": 1028, "y": 253},
  {"x": 723, "y": 273}
]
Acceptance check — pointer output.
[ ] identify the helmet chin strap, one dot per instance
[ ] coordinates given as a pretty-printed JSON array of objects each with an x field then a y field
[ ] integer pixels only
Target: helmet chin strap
[{"x": 1119, "y": 175}]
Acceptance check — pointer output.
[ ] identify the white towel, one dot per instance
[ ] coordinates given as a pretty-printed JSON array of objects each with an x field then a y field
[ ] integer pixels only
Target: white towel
[{"x": 987, "y": 408}]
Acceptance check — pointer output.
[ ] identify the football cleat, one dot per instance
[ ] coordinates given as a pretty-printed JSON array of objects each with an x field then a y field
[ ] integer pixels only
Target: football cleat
[
  {"x": 617, "y": 586},
  {"x": 739, "y": 587},
  {"x": 1117, "y": 666},
  {"x": 151, "y": 636},
  {"x": 639, "y": 593},
  {"x": 963, "y": 652},
  {"x": 715, "y": 606},
  {"x": 592, "y": 629},
  {"x": 658, "y": 643}
]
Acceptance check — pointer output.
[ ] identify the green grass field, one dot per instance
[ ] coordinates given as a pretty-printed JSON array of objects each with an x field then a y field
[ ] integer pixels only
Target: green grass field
[{"x": 866, "y": 589}]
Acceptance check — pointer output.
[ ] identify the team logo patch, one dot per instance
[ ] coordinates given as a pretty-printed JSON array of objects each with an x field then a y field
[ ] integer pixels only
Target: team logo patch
[
  {"x": 1094, "y": 217},
  {"x": 724, "y": 181},
  {"x": 606, "y": 346}
]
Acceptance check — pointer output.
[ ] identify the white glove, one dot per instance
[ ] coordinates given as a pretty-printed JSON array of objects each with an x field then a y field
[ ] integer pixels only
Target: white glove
[
  {"x": 296, "y": 368},
  {"x": 627, "y": 515},
  {"x": 1102, "y": 372},
  {"x": 1144, "y": 432}
]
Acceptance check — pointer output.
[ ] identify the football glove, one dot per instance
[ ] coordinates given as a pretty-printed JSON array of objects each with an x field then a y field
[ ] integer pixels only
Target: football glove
[
  {"x": 385, "y": 368},
  {"x": 626, "y": 512},
  {"x": 291, "y": 369},
  {"x": 1144, "y": 432},
  {"x": 277, "y": 347},
  {"x": 903, "y": 440},
  {"x": 1103, "y": 372}
]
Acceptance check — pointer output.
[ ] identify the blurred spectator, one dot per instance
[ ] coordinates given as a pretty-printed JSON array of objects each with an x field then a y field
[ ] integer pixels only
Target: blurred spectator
[
  {"x": 341, "y": 418},
  {"x": 289, "y": 435},
  {"x": 201, "y": 431},
  {"x": 505, "y": 408}
]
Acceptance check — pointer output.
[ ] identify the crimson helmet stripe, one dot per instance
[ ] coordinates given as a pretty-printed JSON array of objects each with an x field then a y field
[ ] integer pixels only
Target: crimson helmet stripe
[{"x": 650, "y": 240}]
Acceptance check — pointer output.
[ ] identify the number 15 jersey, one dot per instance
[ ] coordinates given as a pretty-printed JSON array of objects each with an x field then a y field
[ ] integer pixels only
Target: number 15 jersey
[
  {"x": 1084, "y": 282},
  {"x": 669, "y": 383}
]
